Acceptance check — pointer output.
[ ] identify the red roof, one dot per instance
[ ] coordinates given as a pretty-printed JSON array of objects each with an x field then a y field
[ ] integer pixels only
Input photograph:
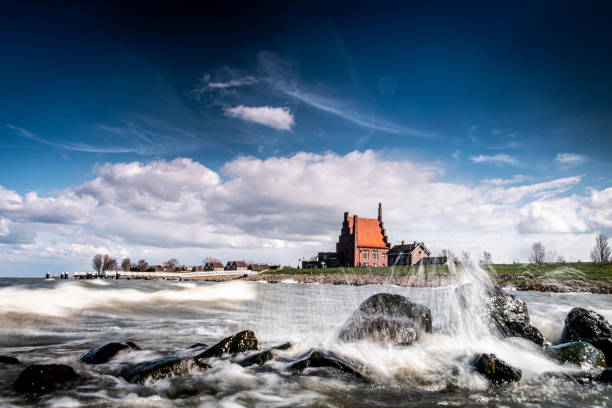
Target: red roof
[{"x": 369, "y": 232}]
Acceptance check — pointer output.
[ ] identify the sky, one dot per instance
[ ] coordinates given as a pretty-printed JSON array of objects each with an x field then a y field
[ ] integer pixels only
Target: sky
[{"x": 244, "y": 131}]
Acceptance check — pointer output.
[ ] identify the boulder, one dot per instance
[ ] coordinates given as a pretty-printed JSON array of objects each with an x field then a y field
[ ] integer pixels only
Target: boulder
[
  {"x": 261, "y": 357},
  {"x": 496, "y": 370},
  {"x": 238, "y": 343},
  {"x": 8, "y": 360},
  {"x": 387, "y": 318},
  {"x": 509, "y": 316},
  {"x": 605, "y": 345},
  {"x": 39, "y": 378},
  {"x": 106, "y": 352},
  {"x": 580, "y": 353},
  {"x": 585, "y": 325},
  {"x": 162, "y": 368},
  {"x": 605, "y": 376},
  {"x": 320, "y": 358}
]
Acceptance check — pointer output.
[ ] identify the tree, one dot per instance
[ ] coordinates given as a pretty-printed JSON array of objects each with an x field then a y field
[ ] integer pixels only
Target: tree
[
  {"x": 447, "y": 253},
  {"x": 97, "y": 263},
  {"x": 601, "y": 251},
  {"x": 171, "y": 264},
  {"x": 143, "y": 265},
  {"x": 210, "y": 259},
  {"x": 126, "y": 264},
  {"x": 487, "y": 259},
  {"x": 108, "y": 263},
  {"x": 538, "y": 253}
]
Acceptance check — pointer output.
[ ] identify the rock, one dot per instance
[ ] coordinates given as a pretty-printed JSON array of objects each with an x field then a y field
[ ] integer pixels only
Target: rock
[
  {"x": 496, "y": 370},
  {"x": 580, "y": 353},
  {"x": 585, "y": 325},
  {"x": 578, "y": 377},
  {"x": 605, "y": 345},
  {"x": 510, "y": 317},
  {"x": 9, "y": 360},
  {"x": 321, "y": 358},
  {"x": 238, "y": 343},
  {"x": 39, "y": 378},
  {"x": 387, "y": 318},
  {"x": 106, "y": 352},
  {"x": 162, "y": 368},
  {"x": 605, "y": 376},
  {"x": 263, "y": 356},
  {"x": 198, "y": 345}
]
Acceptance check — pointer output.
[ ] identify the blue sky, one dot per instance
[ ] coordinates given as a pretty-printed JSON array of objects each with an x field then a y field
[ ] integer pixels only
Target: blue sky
[{"x": 519, "y": 94}]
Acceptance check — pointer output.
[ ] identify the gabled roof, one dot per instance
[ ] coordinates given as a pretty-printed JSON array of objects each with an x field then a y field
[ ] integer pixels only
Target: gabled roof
[
  {"x": 369, "y": 232},
  {"x": 238, "y": 263},
  {"x": 215, "y": 264},
  {"x": 408, "y": 248}
]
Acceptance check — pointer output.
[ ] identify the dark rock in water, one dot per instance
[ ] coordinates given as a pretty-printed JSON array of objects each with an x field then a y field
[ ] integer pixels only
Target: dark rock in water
[
  {"x": 263, "y": 356},
  {"x": 387, "y": 318},
  {"x": 585, "y": 325},
  {"x": 197, "y": 345},
  {"x": 510, "y": 317},
  {"x": 496, "y": 370},
  {"x": 579, "y": 377},
  {"x": 133, "y": 345},
  {"x": 605, "y": 345},
  {"x": 605, "y": 376},
  {"x": 580, "y": 353},
  {"x": 238, "y": 343},
  {"x": 321, "y": 358},
  {"x": 42, "y": 378},
  {"x": 9, "y": 360},
  {"x": 106, "y": 352},
  {"x": 162, "y": 368}
]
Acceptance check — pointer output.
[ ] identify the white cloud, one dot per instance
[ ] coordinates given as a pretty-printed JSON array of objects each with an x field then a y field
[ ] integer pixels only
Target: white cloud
[
  {"x": 570, "y": 159},
  {"x": 232, "y": 83},
  {"x": 282, "y": 208},
  {"x": 517, "y": 178},
  {"x": 498, "y": 158},
  {"x": 277, "y": 118}
]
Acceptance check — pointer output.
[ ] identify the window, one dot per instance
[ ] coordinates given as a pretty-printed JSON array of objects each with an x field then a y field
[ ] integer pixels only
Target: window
[
  {"x": 383, "y": 255},
  {"x": 365, "y": 254},
  {"x": 374, "y": 254}
]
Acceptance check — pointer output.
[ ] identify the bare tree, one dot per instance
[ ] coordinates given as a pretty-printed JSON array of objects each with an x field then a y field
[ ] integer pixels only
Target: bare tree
[
  {"x": 109, "y": 263},
  {"x": 487, "y": 258},
  {"x": 210, "y": 259},
  {"x": 97, "y": 263},
  {"x": 126, "y": 264},
  {"x": 601, "y": 251},
  {"x": 447, "y": 253},
  {"x": 538, "y": 253},
  {"x": 142, "y": 265},
  {"x": 560, "y": 259},
  {"x": 171, "y": 264},
  {"x": 466, "y": 257}
]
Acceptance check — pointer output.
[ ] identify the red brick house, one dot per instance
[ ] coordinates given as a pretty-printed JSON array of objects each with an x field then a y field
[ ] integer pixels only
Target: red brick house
[{"x": 363, "y": 241}]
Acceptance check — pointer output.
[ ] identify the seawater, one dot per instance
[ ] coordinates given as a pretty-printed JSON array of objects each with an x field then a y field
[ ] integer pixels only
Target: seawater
[{"x": 46, "y": 321}]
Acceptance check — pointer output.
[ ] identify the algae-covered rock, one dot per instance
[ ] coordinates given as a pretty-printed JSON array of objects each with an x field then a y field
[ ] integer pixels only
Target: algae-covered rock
[
  {"x": 238, "y": 343},
  {"x": 39, "y": 378},
  {"x": 580, "y": 353},
  {"x": 261, "y": 357},
  {"x": 387, "y": 318},
  {"x": 496, "y": 370}
]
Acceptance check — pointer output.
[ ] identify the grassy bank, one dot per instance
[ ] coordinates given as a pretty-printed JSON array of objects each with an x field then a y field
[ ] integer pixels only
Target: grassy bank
[{"x": 387, "y": 270}]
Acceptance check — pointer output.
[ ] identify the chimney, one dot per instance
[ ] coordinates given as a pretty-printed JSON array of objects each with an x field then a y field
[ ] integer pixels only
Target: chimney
[
  {"x": 402, "y": 242},
  {"x": 379, "y": 211},
  {"x": 346, "y": 216}
]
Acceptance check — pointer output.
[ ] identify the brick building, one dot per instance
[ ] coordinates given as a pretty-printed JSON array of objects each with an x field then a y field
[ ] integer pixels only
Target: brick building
[{"x": 362, "y": 241}]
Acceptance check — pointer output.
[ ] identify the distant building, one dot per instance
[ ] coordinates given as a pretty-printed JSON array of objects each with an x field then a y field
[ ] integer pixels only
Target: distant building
[
  {"x": 236, "y": 266},
  {"x": 362, "y": 241},
  {"x": 258, "y": 267},
  {"x": 213, "y": 266},
  {"x": 408, "y": 254}
]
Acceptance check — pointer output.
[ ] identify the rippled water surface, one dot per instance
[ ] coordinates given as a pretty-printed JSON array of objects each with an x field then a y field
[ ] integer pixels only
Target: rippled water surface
[{"x": 45, "y": 321}]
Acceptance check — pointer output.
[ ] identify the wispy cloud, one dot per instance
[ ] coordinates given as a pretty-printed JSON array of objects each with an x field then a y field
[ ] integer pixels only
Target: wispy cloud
[
  {"x": 277, "y": 118},
  {"x": 498, "y": 158},
  {"x": 517, "y": 178},
  {"x": 570, "y": 159}
]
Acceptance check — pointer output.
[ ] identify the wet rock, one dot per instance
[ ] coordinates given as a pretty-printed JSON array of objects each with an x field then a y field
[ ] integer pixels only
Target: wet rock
[
  {"x": 496, "y": 370},
  {"x": 263, "y": 356},
  {"x": 580, "y": 353},
  {"x": 585, "y": 325},
  {"x": 510, "y": 317},
  {"x": 605, "y": 376},
  {"x": 106, "y": 352},
  {"x": 387, "y": 318},
  {"x": 39, "y": 378},
  {"x": 198, "y": 345},
  {"x": 162, "y": 368},
  {"x": 321, "y": 358},
  {"x": 238, "y": 343},
  {"x": 605, "y": 345},
  {"x": 8, "y": 360},
  {"x": 578, "y": 377}
]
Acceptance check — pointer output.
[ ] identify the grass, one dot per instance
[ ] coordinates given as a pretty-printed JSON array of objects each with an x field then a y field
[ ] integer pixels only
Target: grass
[{"x": 566, "y": 271}]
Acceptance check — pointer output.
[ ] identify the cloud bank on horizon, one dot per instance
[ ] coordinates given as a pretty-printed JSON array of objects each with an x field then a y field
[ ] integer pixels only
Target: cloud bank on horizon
[{"x": 282, "y": 208}]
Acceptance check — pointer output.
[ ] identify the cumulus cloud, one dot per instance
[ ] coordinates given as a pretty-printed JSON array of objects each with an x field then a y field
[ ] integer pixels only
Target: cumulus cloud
[
  {"x": 570, "y": 159},
  {"x": 498, "y": 158},
  {"x": 277, "y": 118},
  {"x": 282, "y": 208}
]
